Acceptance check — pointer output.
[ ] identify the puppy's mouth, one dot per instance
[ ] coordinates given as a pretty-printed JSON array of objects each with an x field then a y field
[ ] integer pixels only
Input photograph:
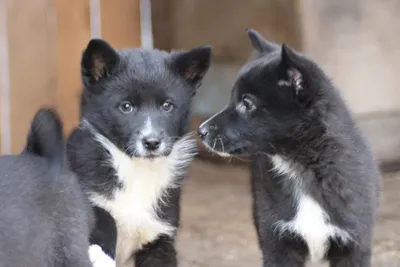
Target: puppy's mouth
[
  {"x": 220, "y": 147},
  {"x": 138, "y": 151}
]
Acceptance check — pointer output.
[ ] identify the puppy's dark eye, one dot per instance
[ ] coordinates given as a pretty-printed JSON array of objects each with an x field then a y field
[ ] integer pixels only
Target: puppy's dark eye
[
  {"x": 167, "y": 106},
  {"x": 248, "y": 104},
  {"x": 125, "y": 107}
]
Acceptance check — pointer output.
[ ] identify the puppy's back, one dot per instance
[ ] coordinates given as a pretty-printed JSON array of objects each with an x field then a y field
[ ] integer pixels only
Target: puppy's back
[{"x": 43, "y": 213}]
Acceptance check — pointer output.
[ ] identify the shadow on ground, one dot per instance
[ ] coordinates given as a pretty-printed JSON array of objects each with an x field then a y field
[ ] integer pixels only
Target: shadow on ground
[{"x": 217, "y": 230}]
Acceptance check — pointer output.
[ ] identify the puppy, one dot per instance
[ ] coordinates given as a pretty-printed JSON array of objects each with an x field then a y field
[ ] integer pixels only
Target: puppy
[
  {"x": 131, "y": 150},
  {"x": 315, "y": 182},
  {"x": 45, "y": 219}
]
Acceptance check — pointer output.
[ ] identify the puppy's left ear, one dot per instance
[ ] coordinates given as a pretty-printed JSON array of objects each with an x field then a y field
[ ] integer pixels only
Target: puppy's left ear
[
  {"x": 98, "y": 61},
  {"x": 259, "y": 43},
  {"x": 192, "y": 65},
  {"x": 294, "y": 74}
]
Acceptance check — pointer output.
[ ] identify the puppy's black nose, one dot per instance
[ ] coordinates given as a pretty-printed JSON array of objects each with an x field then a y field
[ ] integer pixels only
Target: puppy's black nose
[
  {"x": 151, "y": 143},
  {"x": 202, "y": 131},
  {"x": 205, "y": 129}
]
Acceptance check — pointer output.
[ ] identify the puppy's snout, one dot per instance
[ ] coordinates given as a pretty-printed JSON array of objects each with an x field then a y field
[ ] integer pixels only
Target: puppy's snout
[
  {"x": 151, "y": 143},
  {"x": 206, "y": 129}
]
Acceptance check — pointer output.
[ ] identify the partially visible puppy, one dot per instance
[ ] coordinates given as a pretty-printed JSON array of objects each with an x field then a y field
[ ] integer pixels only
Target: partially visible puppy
[
  {"x": 315, "y": 182},
  {"x": 45, "y": 219}
]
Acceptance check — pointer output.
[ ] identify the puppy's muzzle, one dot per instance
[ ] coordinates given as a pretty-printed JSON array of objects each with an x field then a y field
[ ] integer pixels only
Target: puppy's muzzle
[{"x": 207, "y": 128}]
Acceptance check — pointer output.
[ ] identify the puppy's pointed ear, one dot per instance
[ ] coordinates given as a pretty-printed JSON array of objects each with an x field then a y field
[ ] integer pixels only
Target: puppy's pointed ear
[
  {"x": 192, "y": 65},
  {"x": 291, "y": 58},
  {"x": 259, "y": 43},
  {"x": 98, "y": 61},
  {"x": 294, "y": 74}
]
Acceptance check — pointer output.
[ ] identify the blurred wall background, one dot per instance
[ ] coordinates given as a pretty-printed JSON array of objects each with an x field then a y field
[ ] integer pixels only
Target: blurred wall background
[
  {"x": 41, "y": 42},
  {"x": 357, "y": 42}
]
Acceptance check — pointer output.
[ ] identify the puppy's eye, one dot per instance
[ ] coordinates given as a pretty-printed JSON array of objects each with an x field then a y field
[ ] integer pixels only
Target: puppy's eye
[
  {"x": 125, "y": 107},
  {"x": 248, "y": 104},
  {"x": 167, "y": 106}
]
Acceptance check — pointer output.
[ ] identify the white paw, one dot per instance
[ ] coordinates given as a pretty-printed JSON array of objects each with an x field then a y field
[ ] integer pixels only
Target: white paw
[{"x": 99, "y": 258}]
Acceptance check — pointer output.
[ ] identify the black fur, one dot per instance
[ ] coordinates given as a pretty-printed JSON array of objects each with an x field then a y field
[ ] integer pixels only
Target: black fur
[
  {"x": 284, "y": 107},
  {"x": 104, "y": 232},
  {"x": 44, "y": 218},
  {"x": 124, "y": 90}
]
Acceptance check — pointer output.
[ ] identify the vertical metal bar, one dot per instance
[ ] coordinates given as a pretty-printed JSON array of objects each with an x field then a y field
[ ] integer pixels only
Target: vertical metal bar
[
  {"x": 95, "y": 18},
  {"x": 5, "y": 127},
  {"x": 145, "y": 24}
]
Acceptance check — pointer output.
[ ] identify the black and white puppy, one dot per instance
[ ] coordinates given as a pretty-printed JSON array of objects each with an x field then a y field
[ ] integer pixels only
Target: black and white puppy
[
  {"x": 131, "y": 150},
  {"x": 45, "y": 220},
  {"x": 315, "y": 182}
]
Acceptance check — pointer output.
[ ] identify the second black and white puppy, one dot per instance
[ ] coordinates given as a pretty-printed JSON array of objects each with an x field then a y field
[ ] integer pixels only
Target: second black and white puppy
[
  {"x": 131, "y": 150},
  {"x": 315, "y": 182}
]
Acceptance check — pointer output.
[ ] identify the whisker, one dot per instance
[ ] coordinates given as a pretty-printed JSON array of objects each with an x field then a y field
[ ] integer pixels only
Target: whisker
[{"x": 222, "y": 144}]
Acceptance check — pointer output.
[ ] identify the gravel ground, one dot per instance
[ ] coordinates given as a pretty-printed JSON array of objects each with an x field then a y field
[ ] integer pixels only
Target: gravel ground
[{"x": 216, "y": 220}]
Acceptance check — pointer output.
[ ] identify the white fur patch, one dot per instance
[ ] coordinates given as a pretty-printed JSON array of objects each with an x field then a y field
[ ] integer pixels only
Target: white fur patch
[
  {"x": 145, "y": 183},
  {"x": 283, "y": 166},
  {"x": 284, "y": 83},
  {"x": 240, "y": 108},
  {"x": 98, "y": 258},
  {"x": 148, "y": 129},
  {"x": 311, "y": 221},
  {"x": 223, "y": 154}
]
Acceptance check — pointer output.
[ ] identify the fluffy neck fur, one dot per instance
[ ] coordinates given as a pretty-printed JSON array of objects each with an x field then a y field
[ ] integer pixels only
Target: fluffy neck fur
[{"x": 144, "y": 186}]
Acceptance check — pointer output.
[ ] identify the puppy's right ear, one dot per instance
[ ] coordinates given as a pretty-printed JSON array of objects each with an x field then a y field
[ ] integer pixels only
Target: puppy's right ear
[
  {"x": 192, "y": 65},
  {"x": 259, "y": 43},
  {"x": 98, "y": 61}
]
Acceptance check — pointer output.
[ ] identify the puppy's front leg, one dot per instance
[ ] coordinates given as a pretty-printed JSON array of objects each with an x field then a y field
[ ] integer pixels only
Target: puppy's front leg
[
  {"x": 160, "y": 253},
  {"x": 103, "y": 239},
  {"x": 357, "y": 257},
  {"x": 99, "y": 258}
]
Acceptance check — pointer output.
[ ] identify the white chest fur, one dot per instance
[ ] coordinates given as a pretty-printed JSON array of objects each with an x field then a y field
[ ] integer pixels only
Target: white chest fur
[
  {"x": 134, "y": 207},
  {"x": 311, "y": 221}
]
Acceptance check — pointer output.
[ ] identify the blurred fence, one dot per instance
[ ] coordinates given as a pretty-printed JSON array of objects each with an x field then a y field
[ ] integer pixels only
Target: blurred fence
[{"x": 41, "y": 42}]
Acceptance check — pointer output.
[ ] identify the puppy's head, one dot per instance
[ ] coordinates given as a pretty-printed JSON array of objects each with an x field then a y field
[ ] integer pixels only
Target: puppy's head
[
  {"x": 275, "y": 95},
  {"x": 140, "y": 99}
]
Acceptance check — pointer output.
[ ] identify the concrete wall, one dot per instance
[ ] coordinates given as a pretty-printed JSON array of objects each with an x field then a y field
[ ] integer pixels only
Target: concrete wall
[{"x": 357, "y": 43}]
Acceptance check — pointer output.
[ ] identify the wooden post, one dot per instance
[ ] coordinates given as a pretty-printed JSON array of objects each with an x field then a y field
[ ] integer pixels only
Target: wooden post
[
  {"x": 45, "y": 40},
  {"x": 32, "y": 65},
  {"x": 73, "y": 34},
  {"x": 120, "y": 23},
  {"x": 4, "y": 127}
]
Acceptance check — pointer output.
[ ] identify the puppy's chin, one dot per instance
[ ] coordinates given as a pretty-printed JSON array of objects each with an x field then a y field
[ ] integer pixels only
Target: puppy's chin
[
  {"x": 226, "y": 151},
  {"x": 216, "y": 150},
  {"x": 223, "y": 154},
  {"x": 145, "y": 154},
  {"x": 152, "y": 155}
]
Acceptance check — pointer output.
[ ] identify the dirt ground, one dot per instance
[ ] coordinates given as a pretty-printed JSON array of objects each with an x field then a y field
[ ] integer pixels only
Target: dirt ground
[{"x": 217, "y": 230}]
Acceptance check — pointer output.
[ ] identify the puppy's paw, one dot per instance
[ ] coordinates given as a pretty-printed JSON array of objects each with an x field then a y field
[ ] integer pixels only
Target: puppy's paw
[{"x": 99, "y": 258}]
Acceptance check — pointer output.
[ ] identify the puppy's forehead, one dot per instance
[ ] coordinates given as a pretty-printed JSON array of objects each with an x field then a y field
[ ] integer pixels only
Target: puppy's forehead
[
  {"x": 259, "y": 66},
  {"x": 143, "y": 58},
  {"x": 257, "y": 75},
  {"x": 147, "y": 66}
]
